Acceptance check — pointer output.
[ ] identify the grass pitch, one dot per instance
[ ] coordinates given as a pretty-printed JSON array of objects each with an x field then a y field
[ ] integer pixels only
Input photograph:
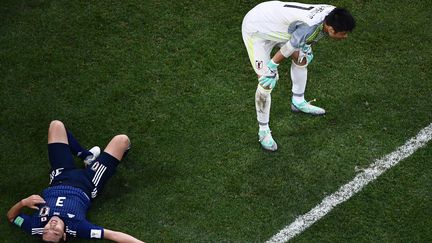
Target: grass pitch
[{"x": 176, "y": 78}]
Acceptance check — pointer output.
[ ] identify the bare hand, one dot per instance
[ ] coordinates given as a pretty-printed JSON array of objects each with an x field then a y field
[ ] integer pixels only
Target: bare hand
[{"x": 32, "y": 201}]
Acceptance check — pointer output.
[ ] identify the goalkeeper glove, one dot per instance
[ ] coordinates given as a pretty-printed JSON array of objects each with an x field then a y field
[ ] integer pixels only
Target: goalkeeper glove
[
  {"x": 270, "y": 78},
  {"x": 306, "y": 52}
]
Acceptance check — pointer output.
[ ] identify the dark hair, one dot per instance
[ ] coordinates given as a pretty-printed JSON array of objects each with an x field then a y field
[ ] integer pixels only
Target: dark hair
[{"x": 341, "y": 20}]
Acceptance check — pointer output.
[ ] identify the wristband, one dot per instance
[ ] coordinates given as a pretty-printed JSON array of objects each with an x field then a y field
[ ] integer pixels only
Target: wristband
[
  {"x": 272, "y": 65},
  {"x": 287, "y": 50}
]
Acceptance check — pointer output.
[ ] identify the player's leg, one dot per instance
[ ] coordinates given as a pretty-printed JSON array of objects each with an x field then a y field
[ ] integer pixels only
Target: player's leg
[
  {"x": 58, "y": 139},
  {"x": 105, "y": 165},
  {"x": 78, "y": 150},
  {"x": 59, "y": 154},
  {"x": 118, "y": 147},
  {"x": 57, "y": 133},
  {"x": 75, "y": 147},
  {"x": 88, "y": 156},
  {"x": 259, "y": 54},
  {"x": 299, "y": 81}
]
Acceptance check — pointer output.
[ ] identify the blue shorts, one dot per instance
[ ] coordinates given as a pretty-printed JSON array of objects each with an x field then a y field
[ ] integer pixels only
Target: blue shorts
[{"x": 91, "y": 179}]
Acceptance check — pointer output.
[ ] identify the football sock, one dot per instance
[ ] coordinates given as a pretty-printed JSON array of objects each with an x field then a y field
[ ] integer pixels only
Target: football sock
[
  {"x": 76, "y": 148},
  {"x": 298, "y": 98},
  {"x": 262, "y": 105},
  {"x": 263, "y": 127},
  {"x": 299, "y": 80}
]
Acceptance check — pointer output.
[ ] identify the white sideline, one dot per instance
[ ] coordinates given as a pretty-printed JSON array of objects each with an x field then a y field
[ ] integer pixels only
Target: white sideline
[{"x": 348, "y": 190}]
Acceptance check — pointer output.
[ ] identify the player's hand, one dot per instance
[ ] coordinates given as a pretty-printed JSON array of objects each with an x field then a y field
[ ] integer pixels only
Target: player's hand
[
  {"x": 270, "y": 78},
  {"x": 305, "y": 52},
  {"x": 32, "y": 201}
]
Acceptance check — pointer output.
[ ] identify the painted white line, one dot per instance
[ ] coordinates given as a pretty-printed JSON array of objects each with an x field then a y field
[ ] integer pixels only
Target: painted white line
[{"x": 348, "y": 190}]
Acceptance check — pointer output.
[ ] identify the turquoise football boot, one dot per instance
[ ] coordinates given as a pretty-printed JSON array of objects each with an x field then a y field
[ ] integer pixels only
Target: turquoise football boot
[
  {"x": 266, "y": 140},
  {"x": 307, "y": 108}
]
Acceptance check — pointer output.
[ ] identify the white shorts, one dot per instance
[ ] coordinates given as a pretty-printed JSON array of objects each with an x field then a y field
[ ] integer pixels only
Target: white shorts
[{"x": 259, "y": 48}]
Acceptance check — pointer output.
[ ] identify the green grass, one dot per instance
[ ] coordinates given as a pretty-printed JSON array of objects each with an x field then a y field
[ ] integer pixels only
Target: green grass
[{"x": 176, "y": 78}]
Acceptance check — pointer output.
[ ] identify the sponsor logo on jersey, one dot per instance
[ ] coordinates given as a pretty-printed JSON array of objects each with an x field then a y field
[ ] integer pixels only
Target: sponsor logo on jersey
[{"x": 94, "y": 192}]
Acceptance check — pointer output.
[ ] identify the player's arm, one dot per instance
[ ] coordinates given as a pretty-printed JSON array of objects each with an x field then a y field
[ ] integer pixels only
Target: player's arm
[
  {"x": 286, "y": 51},
  {"x": 279, "y": 56},
  {"x": 120, "y": 237},
  {"x": 268, "y": 80},
  {"x": 297, "y": 42},
  {"x": 29, "y": 202}
]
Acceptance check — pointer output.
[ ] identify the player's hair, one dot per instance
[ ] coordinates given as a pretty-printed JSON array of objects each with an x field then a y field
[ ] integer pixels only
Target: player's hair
[{"x": 341, "y": 20}]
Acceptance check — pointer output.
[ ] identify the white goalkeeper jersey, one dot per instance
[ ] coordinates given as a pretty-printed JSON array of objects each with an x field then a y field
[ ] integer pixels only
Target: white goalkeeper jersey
[{"x": 287, "y": 21}]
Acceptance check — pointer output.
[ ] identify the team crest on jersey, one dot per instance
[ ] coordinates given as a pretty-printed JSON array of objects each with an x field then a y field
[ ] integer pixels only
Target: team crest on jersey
[
  {"x": 258, "y": 64},
  {"x": 44, "y": 211},
  {"x": 95, "y": 166}
]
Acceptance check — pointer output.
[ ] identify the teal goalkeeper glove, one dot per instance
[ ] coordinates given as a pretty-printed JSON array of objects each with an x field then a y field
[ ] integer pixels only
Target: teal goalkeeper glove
[
  {"x": 306, "y": 52},
  {"x": 270, "y": 78}
]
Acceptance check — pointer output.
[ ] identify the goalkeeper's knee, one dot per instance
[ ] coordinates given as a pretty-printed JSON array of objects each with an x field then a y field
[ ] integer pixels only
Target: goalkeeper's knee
[
  {"x": 302, "y": 59},
  {"x": 262, "y": 93},
  {"x": 303, "y": 64}
]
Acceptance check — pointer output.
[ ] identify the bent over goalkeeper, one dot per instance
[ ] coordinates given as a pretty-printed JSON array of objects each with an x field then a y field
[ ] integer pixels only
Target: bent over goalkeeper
[{"x": 294, "y": 28}]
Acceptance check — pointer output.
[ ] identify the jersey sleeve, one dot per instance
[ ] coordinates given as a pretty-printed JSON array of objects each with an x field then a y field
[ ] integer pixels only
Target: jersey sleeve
[
  {"x": 30, "y": 224},
  {"x": 300, "y": 34},
  {"x": 88, "y": 230}
]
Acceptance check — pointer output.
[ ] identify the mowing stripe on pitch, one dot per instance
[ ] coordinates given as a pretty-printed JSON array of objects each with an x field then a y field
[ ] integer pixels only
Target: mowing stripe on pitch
[{"x": 348, "y": 190}]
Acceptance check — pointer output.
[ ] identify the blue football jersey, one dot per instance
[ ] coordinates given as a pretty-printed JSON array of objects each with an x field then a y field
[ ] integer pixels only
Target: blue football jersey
[{"x": 66, "y": 202}]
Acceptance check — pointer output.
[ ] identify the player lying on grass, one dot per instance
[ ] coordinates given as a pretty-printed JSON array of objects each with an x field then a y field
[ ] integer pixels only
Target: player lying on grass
[
  {"x": 294, "y": 28},
  {"x": 62, "y": 208}
]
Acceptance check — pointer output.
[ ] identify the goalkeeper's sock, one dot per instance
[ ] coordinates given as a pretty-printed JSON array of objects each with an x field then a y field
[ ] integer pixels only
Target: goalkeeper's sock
[
  {"x": 299, "y": 80},
  {"x": 298, "y": 98},
  {"x": 76, "y": 148},
  {"x": 263, "y": 127},
  {"x": 262, "y": 105}
]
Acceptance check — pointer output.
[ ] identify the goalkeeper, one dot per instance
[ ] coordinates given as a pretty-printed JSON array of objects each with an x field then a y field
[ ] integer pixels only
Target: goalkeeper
[
  {"x": 294, "y": 28},
  {"x": 61, "y": 210}
]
